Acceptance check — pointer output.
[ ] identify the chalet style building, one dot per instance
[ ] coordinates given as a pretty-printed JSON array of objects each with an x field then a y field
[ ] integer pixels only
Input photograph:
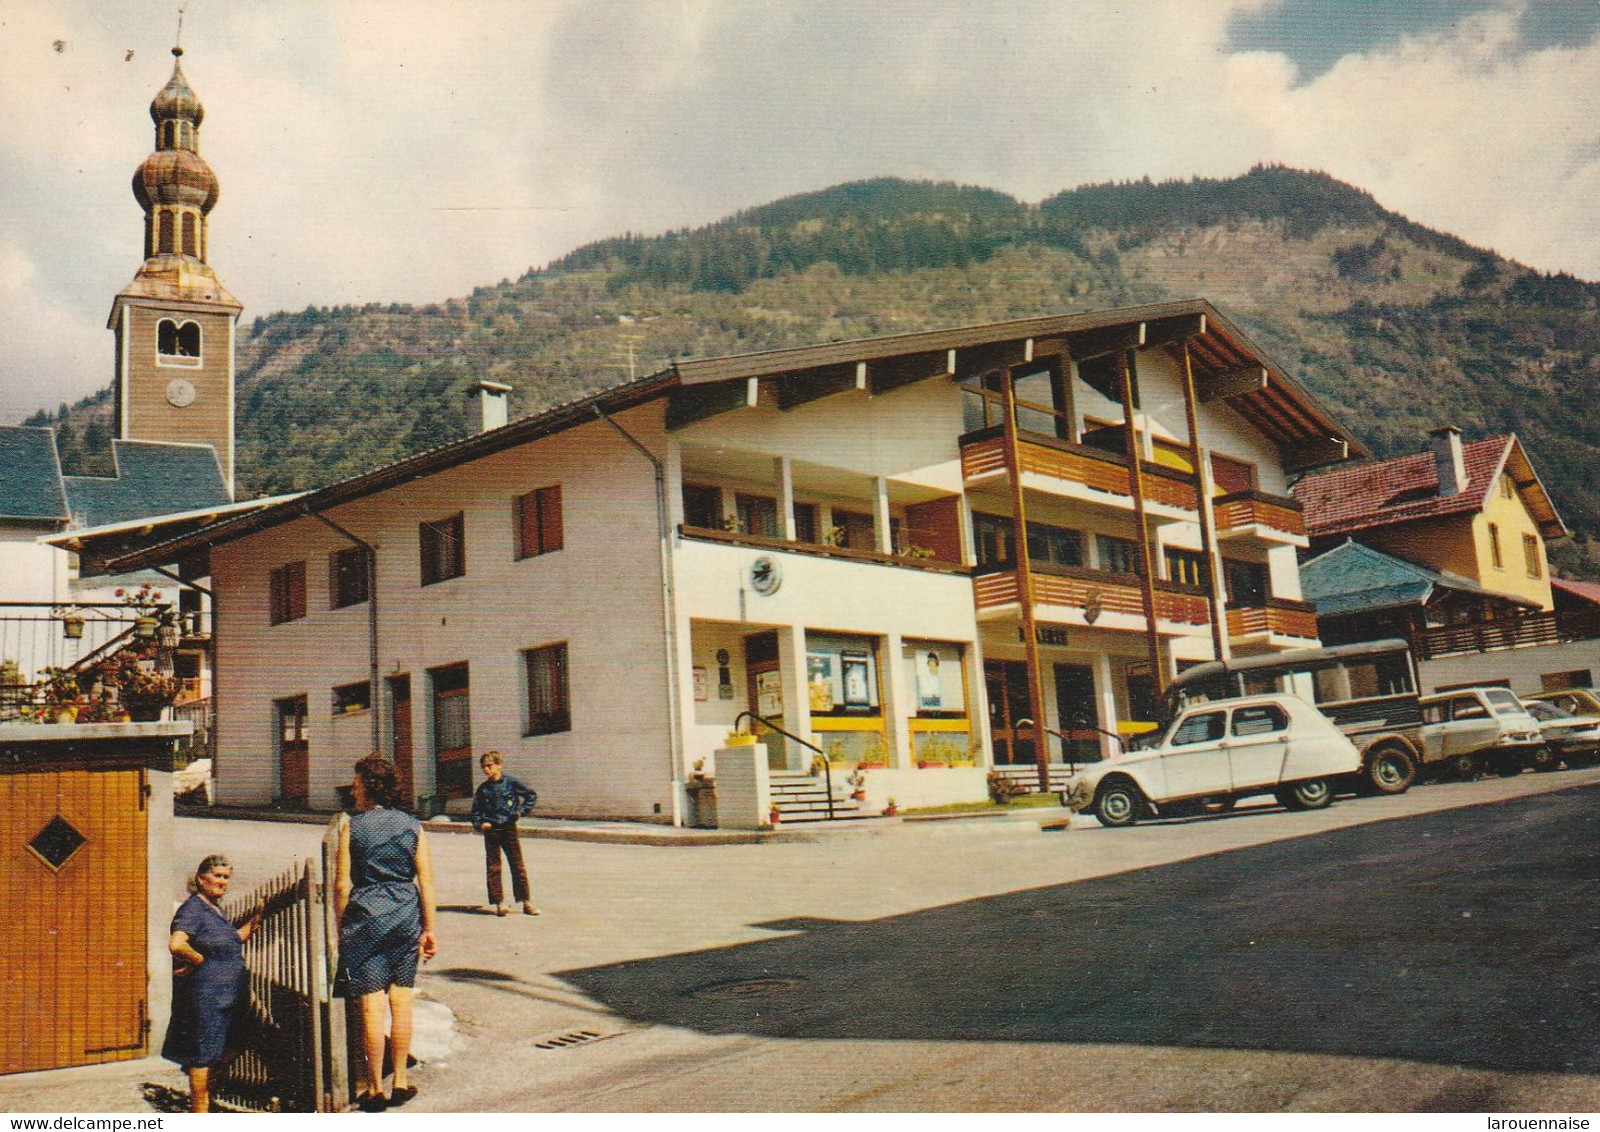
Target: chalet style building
[{"x": 826, "y": 536}]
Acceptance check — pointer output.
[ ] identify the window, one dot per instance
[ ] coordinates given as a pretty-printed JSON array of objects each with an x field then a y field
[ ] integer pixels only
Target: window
[
  {"x": 352, "y": 697},
  {"x": 539, "y": 529},
  {"x": 805, "y": 522},
  {"x": 758, "y": 515},
  {"x": 191, "y": 242},
  {"x": 444, "y": 552},
  {"x": 1508, "y": 489},
  {"x": 175, "y": 341},
  {"x": 288, "y": 593},
  {"x": 1495, "y": 556},
  {"x": 347, "y": 577},
  {"x": 1468, "y": 707},
  {"x": 1532, "y": 557},
  {"x": 1230, "y": 475},
  {"x": 1561, "y": 681},
  {"x": 992, "y": 533},
  {"x": 702, "y": 506},
  {"x": 1055, "y": 545},
  {"x": 549, "y": 707},
  {"x": 1118, "y": 555},
  {"x": 1187, "y": 567},
  {"x": 164, "y": 244},
  {"x": 858, "y": 530},
  {"x": 1246, "y": 581},
  {"x": 1202, "y": 728},
  {"x": 452, "y": 730},
  {"x": 1259, "y": 720}
]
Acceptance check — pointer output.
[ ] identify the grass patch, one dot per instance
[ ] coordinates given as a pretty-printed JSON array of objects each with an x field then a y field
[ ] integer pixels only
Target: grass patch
[{"x": 1022, "y": 802}]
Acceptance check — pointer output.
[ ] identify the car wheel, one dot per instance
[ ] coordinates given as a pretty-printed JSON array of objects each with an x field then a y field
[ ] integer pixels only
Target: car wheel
[
  {"x": 1390, "y": 770},
  {"x": 1118, "y": 804},
  {"x": 1467, "y": 767},
  {"x": 1312, "y": 794},
  {"x": 1542, "y": 758}
]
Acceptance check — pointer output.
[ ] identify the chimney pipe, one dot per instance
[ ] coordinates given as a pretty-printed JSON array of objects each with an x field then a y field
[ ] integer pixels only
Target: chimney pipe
[
  {"x": 1448, "y": 460},
  {"x": 490, "y": 408}
]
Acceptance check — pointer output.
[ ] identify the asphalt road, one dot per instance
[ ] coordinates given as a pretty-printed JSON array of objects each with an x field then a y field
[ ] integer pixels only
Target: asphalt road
[{"x": 1434, "y": 952}]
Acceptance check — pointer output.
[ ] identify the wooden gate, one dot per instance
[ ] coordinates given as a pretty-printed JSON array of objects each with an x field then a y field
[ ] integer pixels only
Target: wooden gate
[
  {"x": 293, "y": 1052},
  {"x": 73, "y": 891}
]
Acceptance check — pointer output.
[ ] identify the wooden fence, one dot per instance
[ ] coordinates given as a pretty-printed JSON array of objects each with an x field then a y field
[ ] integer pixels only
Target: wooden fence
[{"x": 294, "y": 1055}]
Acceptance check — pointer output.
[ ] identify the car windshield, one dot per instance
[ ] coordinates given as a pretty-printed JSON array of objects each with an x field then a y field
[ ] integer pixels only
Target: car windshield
[{"x": 1503, "y": 702}]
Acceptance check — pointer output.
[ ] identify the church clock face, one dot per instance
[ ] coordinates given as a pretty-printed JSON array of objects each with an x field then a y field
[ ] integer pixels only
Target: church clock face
[{"x": 180, "y": 392}]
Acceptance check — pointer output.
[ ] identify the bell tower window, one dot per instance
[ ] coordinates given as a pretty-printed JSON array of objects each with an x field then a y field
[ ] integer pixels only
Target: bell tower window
[
  {"x": 191, "y": 244},
  {"x": 178, "y": 344},
  {"x": 164, "y": 241}
]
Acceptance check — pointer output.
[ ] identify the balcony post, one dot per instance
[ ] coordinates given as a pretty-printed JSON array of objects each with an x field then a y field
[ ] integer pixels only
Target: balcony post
[
  {"x": 1208, "y": 519},
  {"x": 1147, "y": 585},
  {"x": 1030, "y": 636},
  {"x": 784, "y": 467},
  {"x": 880, "y": 515}
]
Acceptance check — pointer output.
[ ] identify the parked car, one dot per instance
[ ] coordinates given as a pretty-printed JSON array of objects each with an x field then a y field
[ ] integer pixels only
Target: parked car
[
  {"x": 1572, "y": 738},
  {"x": 1478, "y": 729},
  {"x": 1577, "y": 701},
  {"x": 1213, "y": 754}
]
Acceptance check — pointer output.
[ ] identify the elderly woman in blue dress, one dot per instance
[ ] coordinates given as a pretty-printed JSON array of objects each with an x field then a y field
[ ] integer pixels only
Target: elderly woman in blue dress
[
  {"x": 208, "y": 977},
  {"x": 383, "y": 894}
]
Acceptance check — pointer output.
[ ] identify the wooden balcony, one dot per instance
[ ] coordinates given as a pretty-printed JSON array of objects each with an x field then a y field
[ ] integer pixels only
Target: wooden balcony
[
  {"x": 1506, "y": 633},
  {"x": 983, "y": 454},
  {"x": 1276, "y": 617},
  {"x": 1271, "y": 518},
  {"x": 1081, "y": 590},
  {"x": 815, "y": 550}
]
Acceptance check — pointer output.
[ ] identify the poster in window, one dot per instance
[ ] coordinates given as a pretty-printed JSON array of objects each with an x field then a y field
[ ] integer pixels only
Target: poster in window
[
  {"x": 821, "y": 680},
  {"x": 857, "y": 688},
  {"x": 700, "y": 682},
  {"x": 930, "y": 689},
  {"x": 934, "y": 672},
  {"x": 769, "y": 694}
]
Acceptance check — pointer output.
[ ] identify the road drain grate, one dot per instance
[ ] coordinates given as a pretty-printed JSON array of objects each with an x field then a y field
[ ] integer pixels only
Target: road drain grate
[{"x": 574, "y": 1038}]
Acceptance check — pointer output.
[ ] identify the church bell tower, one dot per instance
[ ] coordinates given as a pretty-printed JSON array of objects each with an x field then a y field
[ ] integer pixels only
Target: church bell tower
[{"x": 175, "y": 323}]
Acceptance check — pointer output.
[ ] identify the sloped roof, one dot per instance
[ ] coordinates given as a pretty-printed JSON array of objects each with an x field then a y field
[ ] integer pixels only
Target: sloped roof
[
  {"x": 1587, "y": 592},
  {"x": 1381, "y": 493},
  {"x": 1354, "y": 578},
  {"x": 153, "y": 478},
  {"x": 30, "y": 476}
]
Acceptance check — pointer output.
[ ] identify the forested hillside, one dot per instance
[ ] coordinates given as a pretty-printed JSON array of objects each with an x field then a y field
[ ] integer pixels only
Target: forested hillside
[{"x": 1399, "y": 328}]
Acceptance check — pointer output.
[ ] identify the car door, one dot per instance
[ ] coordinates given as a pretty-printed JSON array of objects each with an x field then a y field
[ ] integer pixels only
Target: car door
[
  {"x": 1193, "y": 757},
  {"x": 1472, "y": 726},
  {"x": 1258, "y": 739}
]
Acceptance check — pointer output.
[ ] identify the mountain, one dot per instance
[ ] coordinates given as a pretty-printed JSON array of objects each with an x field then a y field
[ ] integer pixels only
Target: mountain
[{"x": 1397, "y": 327}]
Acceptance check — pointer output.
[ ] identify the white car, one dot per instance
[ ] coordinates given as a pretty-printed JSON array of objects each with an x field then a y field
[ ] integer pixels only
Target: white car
[
  {"x": 1215, "y": 753},
  {"x": 1478, "y": 729},
  {"x": 1571, "y": 738}
]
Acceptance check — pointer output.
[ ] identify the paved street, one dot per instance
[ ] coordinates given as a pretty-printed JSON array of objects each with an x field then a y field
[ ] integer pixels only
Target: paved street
[{"x": 1431, "y": 952}]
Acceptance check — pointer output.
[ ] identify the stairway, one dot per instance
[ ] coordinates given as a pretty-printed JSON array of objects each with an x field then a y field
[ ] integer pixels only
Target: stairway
[{"x": 804, "y": 798}]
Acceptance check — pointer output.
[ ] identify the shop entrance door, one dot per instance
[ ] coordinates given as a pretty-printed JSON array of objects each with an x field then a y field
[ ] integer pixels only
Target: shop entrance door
[
  {"x": 1010, "y": 699},
  {"x": 1075, "y": 713},
  {"x": 764, "y": 685}
]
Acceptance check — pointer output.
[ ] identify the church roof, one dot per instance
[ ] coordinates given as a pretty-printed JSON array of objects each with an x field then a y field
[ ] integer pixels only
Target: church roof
[
  {"x": 153, "y": 478},
  {"x": 30, "y": 476}
]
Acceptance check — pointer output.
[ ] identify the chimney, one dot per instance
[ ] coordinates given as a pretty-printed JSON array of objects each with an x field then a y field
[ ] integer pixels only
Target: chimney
[
  {"x": 1448, "y": 460},
  {"x": 488, "y": 408}
]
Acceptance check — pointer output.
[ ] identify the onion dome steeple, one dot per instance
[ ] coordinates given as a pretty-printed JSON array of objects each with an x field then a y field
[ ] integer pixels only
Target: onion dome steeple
[{"x": 174, "y": 185}]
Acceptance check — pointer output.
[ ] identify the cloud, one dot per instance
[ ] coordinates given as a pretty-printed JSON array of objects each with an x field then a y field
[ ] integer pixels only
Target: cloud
[{"x": 409, "y": 150}]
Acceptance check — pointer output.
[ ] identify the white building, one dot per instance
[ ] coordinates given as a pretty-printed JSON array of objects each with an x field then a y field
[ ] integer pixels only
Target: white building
[{"x": 819, "y": 535}]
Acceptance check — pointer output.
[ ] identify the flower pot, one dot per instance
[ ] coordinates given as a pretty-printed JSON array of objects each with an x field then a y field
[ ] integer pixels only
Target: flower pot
[
  {"x": 64, "y": 713},
  {"x": 144, "y": 711},
  {"x": 740, "y": 739},
  {"x": 928, "y": 764},
  {"x": 872, "y": 766}
]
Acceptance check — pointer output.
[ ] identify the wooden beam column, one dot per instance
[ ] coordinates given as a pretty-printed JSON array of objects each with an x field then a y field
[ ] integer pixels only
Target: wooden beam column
[
  {"x": 1147, "y": 577},
  {"x": 1208, "y": 519},
  {"x": 1030, "y": 635}
]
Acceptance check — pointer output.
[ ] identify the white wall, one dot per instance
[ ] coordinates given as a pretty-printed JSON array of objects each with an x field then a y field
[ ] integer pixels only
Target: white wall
[
  {"x": 1521, "y": 667},
  {"x": 600, "y": 594}
]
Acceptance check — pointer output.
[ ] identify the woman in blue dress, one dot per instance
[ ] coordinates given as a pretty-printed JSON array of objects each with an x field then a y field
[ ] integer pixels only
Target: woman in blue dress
[
  {"x": 384, "y": 897},
  {"x": 208, "y": 977}
]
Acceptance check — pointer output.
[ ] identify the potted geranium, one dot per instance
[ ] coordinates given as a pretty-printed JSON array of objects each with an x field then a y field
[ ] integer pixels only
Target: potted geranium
[
  {"x": 139, "y": 687},
  {"x": 60, "y": 690}
]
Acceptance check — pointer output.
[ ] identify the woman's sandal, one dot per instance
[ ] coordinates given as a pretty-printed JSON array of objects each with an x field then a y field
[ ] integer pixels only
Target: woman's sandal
[
  {"x": 401, "y": 1095},
  {"x": 373, "y": 1102}
]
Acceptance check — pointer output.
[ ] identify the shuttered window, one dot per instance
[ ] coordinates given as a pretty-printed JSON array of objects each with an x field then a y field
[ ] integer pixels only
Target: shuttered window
[
  {"x": 539, "y": 524},
  {"x": 443, "y": 549},
  {"x": 287, "y": 599}
]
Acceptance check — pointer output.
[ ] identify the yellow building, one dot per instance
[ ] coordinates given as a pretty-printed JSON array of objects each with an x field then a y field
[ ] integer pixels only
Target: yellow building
[{"x": 1476, "y": 510}]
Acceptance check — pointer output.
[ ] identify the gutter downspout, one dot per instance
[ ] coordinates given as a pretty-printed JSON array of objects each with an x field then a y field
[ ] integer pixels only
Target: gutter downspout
[
  {"x": 371, "y": 553},
  {"x": 669, "y": 615}
]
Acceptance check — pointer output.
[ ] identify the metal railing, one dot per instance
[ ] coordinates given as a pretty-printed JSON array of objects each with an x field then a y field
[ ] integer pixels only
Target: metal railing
[
  {"x": 36, "y": 635},
  {"x": 827, "y": 770}
]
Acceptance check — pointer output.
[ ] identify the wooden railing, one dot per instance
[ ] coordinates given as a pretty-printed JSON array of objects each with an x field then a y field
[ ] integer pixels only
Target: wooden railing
[
  {"x": 1240, "y": 509},
  {"x": 1104, "y": 591},
  {"x": 1276, "y": 615},
  {"x": 817, "y": 550},
  {"x": 1510, "y": 633},
  {"x": 983, "y": 453}
]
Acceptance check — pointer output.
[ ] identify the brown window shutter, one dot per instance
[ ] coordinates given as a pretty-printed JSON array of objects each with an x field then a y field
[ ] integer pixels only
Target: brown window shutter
[
  {"x": 297, "y": 590},
  {"x": 550, "y": 519}
]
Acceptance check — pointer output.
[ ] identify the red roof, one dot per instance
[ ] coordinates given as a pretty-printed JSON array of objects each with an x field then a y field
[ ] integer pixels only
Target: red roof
[
  {"x": 1585, "y": 591},
  {"x": 1405, "y": 489}
]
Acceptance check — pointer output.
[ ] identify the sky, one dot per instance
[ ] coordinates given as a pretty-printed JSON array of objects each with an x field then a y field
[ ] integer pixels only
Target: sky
[{"x": 410, "y": 150}]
